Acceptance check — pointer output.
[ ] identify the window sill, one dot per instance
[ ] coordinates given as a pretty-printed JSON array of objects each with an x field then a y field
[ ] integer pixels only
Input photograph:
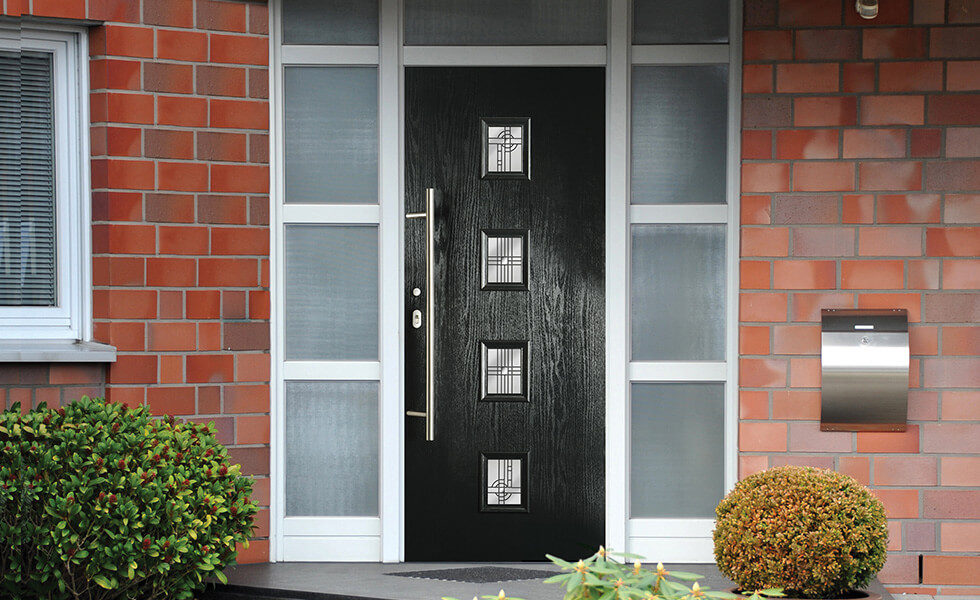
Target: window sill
[{"x": 55, "y": 351}]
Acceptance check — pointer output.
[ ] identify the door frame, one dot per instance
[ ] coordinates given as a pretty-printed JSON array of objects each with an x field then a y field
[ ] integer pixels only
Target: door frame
[{"x": 382, "y": 538}]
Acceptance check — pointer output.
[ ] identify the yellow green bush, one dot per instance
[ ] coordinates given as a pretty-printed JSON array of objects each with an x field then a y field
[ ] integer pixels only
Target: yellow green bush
[{"x": 814, "y": 533}]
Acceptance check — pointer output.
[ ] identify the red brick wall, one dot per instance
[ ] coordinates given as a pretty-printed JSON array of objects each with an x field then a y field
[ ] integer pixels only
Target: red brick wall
[
  {"x": 180, "y": 210},
  {"x": 861, "y": 188}
]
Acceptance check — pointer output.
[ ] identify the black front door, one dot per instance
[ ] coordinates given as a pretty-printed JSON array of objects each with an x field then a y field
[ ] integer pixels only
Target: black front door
[{"x": 516, "y": 467}]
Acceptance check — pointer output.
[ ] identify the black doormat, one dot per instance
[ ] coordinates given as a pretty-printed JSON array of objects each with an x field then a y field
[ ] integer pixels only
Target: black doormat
[{"x": 478, "y": 574}]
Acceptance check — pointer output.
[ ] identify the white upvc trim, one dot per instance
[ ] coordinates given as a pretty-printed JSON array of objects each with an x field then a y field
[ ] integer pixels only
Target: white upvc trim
[
  {"x": 505, "y": 56},
  {"x": 690, "y": 54},
  {"x": 673, "y": 540},
  {"x": 617, "y": 275},
  {"x": 329, "y": 55},
  {"x": 277, "y": 437},
  {"x": 332, "y": 213},
  {"x": 673, "y": 371},
  {"x": 71, "y": 319},
  {"x": 679, "y": 213},
  {"x": 391, "y": 286},
  {"x": 734, "y": 229},
  {"x": 339, "y": 548},
  {"x": 320, "y": 526},
  {"x": 339, "y": 370}
]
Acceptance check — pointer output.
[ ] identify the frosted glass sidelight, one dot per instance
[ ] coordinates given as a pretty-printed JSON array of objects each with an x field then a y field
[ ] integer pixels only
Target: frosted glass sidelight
[
  {"x": 331, "y": 135},
  {"x": 688, "y": 22},
  {"x": 334, "y": 22},
  {"x": 332, "y": 463},
  {"x": 677, "y": 303},
  {"x": 504, "y": 22},
  {"x": 331, "y": 289},
  {"x": 677, "y": 449},
  {"x": 680, "y": 134}
]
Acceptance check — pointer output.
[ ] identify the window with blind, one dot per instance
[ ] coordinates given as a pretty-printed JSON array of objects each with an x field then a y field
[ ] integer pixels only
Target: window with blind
[
  {"x": 45, "y": 256},
  {"x": 27, "y": 201}
]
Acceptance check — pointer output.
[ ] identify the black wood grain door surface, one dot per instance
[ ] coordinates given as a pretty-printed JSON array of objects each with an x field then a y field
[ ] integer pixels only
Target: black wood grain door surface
[{"x": 516, "y": 469}]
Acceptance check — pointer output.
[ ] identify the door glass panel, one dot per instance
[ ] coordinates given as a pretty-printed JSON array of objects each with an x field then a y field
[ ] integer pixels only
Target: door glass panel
[
  {"x": 331, "y": 289},
  {"x": 331, "y": 135},
  {"x": 334, "y": 22},
  {"x": 677, "y": 304},
  {"x": 677, "y": 449},
  {"x": 672, "y": 22},
  {"x": 504, "y": 22},
  {"x": 680, "y": 134},
  {"x": 331, "y": 448}
]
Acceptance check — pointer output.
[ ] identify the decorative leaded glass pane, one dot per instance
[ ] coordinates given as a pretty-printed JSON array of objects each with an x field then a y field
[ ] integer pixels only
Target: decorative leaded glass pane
[
  {"x": 504, "y": 370},
  {"x": 504, "y": 482},
  {"x": 504, "y": 259},
  {"x": 505, "y": 148}
]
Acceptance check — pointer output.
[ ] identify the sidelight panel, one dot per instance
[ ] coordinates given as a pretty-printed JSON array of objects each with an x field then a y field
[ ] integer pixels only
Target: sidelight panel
[
  {"x": 677, "y": 449},
  {"x": 680, "y": 134},
  {"x": 677, "y": 300},
  {"x": 331, "y": 135},
  {"x": 331, "y": 292},
  {"x": 331, "y": 448}
]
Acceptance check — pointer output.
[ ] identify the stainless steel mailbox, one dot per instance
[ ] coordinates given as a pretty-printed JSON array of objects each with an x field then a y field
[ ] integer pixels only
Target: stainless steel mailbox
[{"x": 864, "y": 361}]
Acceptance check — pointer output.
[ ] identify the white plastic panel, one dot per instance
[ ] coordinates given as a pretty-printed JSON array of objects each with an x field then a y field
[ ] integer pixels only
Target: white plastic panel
[
  {"x": 678, "y": 292},
  {"x": 680, "y": 134},
  {"x": 677, "y": 449},
  {"x": 331, "y": 292},
  {"x": 331, "y": 444},
  {"x": 331, "y": 135}
]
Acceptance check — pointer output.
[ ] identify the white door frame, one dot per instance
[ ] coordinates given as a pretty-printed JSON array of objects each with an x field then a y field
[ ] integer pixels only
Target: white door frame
[{"x": 382, "y": 538}]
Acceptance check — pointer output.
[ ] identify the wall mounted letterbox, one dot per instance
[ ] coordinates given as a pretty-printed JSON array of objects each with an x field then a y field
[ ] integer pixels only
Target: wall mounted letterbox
[{"x": 864, "y": 363}]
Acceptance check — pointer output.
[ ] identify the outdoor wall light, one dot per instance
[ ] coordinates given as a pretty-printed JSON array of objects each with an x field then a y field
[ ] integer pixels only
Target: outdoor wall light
[{"x": 868, "y": 9}]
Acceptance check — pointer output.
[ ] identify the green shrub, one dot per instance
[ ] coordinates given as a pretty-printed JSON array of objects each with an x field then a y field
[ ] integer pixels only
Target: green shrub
[
  {"x": 813, "y": 532},
  {"x": 100, "y": 501}
]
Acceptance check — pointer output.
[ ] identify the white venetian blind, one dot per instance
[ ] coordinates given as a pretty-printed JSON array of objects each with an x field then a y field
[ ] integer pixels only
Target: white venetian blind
[{"x": 27, "y": 201}]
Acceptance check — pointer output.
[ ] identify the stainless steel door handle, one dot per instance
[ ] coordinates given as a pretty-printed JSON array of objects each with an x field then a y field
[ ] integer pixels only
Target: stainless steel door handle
[{"x": 432, "y": 197}]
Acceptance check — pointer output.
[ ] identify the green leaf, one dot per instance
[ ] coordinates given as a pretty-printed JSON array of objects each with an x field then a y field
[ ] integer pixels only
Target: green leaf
[
  {"x": 103, "y": 582},
  {"x": 685, "y": 576},
  {"x": 221, "y": 577}
]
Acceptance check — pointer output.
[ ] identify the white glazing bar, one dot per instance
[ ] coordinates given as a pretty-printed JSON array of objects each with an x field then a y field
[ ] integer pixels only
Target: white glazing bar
[
  {"x": 392, "y": 301},
  {"x": 617, "y": 285},
  {"x": 331, "y": 213},
  {"x": 734, "y": 208},
  {"x": 330, "y": 55},
  {"x": 276, "y": 189},
  {"x": 693, "y": 54},
  {"x": 678, "y": 213},
  {"x": 314, "y": 370},
  {"x": 678, "y": 371},
  {"x": 511, "y": 56}
]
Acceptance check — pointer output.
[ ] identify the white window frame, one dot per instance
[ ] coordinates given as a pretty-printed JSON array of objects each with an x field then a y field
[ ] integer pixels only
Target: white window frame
[{"x": 71, "y": 319}]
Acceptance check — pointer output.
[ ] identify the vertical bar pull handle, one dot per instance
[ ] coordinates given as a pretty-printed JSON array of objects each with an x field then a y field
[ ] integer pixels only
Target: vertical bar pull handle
[{"x": 432, "y": 197}]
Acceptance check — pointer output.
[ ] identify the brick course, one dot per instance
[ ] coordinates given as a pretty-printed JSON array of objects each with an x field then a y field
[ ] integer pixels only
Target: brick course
[
  {"x": 860, "y": 163},
  {"x": 179, "y": 115}
]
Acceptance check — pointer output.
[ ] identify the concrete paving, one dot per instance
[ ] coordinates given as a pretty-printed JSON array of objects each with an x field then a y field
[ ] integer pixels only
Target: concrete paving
[{"x": 350, "y": 581}]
